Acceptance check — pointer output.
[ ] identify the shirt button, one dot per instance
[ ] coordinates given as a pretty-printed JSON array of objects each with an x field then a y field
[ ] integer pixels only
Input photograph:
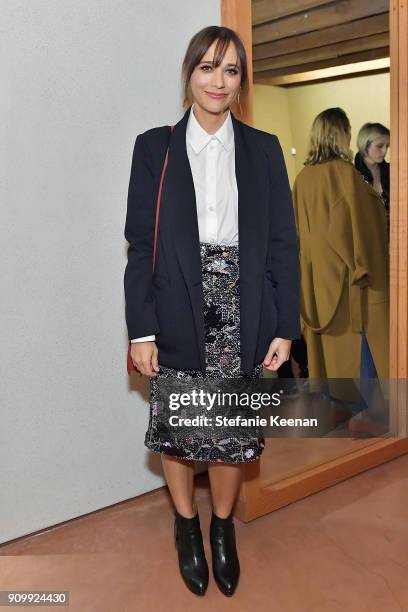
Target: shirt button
[{"x": 211, "y": 208}]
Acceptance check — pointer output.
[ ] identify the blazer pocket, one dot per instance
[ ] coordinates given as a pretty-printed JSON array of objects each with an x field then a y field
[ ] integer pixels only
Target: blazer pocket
[
  {"x": 160, "y": 281},
  {"x": 269, "y": 278},
  {"x": 271, "y": 292}
]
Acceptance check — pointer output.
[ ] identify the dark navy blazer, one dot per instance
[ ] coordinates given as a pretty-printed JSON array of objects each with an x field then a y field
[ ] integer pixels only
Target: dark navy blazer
[{"x": 170, "y": 303}]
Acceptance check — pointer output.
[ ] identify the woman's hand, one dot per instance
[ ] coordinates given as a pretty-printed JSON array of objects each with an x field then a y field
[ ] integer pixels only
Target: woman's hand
[
  {"x": 144, "y": 357},
  {"x": 278, "y": 352}
]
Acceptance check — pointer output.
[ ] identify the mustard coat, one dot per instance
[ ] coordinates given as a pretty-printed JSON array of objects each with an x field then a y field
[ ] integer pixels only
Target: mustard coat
[{"x": 344, "y": 261}]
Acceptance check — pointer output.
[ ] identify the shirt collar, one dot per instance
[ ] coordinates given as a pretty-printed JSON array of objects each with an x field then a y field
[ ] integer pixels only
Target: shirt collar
[{"x": 198, "y": 138}]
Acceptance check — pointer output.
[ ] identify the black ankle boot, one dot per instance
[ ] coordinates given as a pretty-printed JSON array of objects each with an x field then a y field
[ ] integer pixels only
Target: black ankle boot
[
  {"x": 225, "y": 561},
  {"x": 192, "y": 562}
]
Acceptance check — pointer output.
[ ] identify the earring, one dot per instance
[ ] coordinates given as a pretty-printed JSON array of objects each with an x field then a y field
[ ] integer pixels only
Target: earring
[{"x": 238, "y": 101}]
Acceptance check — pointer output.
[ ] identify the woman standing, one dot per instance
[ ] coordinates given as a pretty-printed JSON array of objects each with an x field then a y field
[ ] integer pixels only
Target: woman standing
[
  {"x": 373, "y": 141},
  {"x": 342, "y": 229},
  {"x": 224, "y": 297}
]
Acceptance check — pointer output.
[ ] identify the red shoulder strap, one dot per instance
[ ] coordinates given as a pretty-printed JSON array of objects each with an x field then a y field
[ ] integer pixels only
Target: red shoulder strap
[{"x": 158, "y": 202}]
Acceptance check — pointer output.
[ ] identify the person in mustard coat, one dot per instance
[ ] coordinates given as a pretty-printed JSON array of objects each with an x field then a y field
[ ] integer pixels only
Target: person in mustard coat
[{"x": 342, "y": 229}]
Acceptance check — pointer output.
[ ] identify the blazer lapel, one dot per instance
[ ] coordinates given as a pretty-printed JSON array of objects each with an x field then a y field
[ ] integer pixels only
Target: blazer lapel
[
  {"x": 253, "y": 227},
  {"x": 182, "y": 207},
  {"x": 179, "y": 192}
]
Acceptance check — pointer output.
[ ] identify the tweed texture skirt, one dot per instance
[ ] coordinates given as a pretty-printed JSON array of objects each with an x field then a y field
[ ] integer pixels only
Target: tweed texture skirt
[{"x": 220, "y": 268}]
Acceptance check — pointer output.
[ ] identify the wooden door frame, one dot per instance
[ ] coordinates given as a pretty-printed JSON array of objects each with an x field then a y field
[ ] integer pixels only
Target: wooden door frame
[{"x": 257, "y": 497}]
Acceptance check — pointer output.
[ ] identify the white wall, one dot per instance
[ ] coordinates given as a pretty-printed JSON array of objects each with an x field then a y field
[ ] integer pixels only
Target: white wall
[{"x": 79, "y": 81}]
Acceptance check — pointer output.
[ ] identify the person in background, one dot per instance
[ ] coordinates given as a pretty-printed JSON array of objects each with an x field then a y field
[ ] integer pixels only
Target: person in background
[
  {"x": 373, "y": 141},
  {"x": 342, "y": 229}
]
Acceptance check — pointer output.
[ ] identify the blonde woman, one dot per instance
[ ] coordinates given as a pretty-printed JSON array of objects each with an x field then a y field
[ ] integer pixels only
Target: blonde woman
[
  {"x": 373, "y": 141},
  {"x": 342, "y": 230}
]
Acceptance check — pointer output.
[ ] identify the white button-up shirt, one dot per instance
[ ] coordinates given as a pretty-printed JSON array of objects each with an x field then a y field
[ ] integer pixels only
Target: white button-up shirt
[{"x": 212, "y": 162}]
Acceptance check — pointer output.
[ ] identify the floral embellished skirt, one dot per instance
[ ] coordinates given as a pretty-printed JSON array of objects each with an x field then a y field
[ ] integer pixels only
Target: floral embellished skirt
[{"x": 220, "y": 270}]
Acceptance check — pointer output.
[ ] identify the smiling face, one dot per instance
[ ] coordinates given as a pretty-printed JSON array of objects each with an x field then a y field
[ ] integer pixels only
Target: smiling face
[
  {"x": 377, "y": 150},
  {"x": 214, "y": 88}
]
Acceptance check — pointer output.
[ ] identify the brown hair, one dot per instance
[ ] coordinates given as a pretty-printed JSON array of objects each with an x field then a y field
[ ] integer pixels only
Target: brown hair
[
  {"x": 328, "y": 137},
  {"x": 198, "y": 46}
]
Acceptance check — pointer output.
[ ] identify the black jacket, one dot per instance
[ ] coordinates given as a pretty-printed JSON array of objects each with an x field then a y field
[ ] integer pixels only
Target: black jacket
[
  {"x": 170, "y": 303},
  {"x": 385, "y": 177}
]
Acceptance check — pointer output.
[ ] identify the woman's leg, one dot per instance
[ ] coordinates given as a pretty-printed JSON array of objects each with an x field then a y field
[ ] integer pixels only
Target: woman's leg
[
  {"x": 225, "y": 481},
  {"x": 179, "y": 475}
]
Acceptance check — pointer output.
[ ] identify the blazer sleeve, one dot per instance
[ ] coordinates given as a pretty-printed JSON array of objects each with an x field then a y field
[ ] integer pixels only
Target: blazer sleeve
[
  {"x": 284, "y": 261},
  {"x": 140, "y": 307}
]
